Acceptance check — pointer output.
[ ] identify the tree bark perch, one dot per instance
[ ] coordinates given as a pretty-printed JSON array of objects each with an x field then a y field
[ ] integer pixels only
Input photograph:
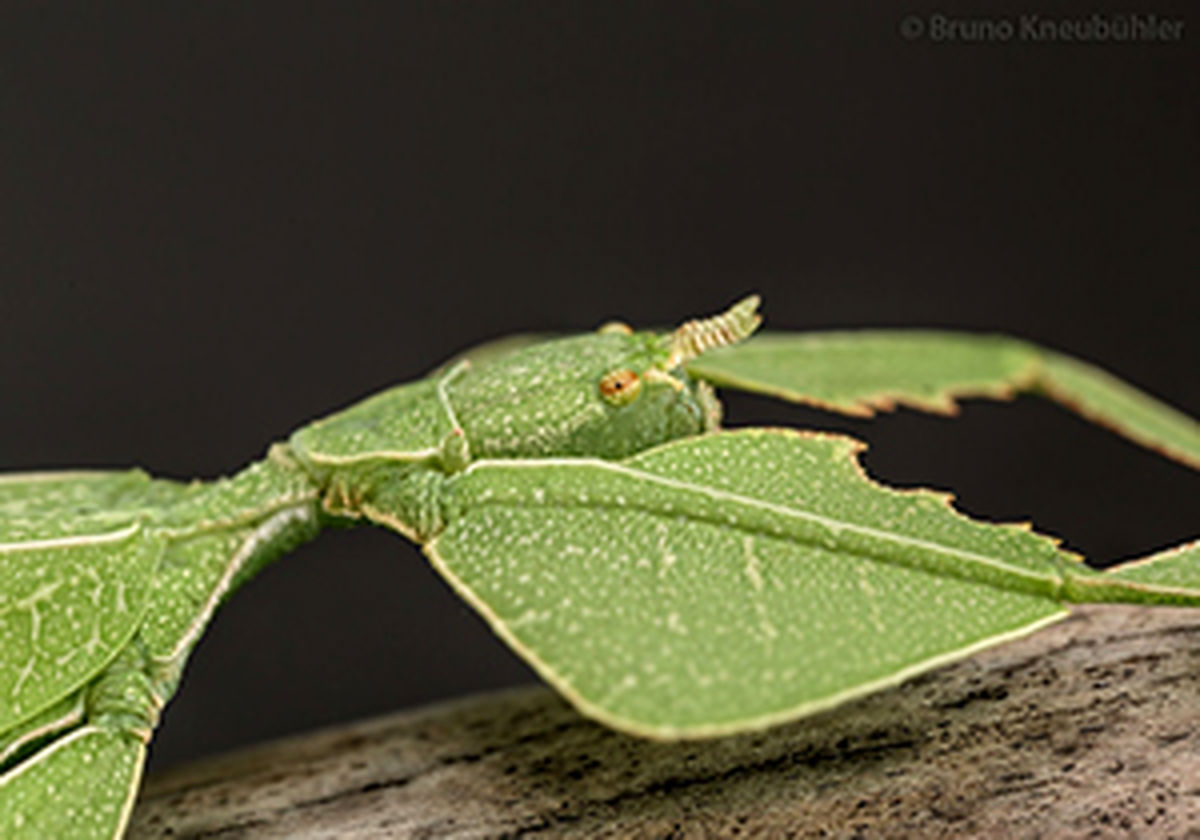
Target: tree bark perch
[{"x": 1088, "y": 728}]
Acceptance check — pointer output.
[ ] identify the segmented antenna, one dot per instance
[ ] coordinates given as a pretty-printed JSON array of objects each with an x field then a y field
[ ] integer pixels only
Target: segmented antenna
[{"x": 693, "y": 338}]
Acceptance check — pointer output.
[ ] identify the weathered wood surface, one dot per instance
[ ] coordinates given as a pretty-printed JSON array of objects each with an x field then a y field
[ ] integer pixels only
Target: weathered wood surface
[{"x": 1090, "y": 728}]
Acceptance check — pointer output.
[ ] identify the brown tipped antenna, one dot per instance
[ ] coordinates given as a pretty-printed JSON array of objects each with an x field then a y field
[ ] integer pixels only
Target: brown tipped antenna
[{"x": 693, "y": 338}]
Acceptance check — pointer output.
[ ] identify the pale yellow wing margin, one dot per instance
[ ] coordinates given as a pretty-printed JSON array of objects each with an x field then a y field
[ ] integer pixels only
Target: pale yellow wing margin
[
  {"x": 80, "y": 788},
  {"x": 732, "y": 581},
  {"x": 861, "y": 372}
]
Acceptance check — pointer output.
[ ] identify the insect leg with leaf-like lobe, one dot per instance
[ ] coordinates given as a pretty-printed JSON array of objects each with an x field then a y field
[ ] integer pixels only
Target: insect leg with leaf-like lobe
[{"x": 112, "y": 617}]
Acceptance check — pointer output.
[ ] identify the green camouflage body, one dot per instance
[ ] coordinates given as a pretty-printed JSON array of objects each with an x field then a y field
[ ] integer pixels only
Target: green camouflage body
[{"x": 668, "y": 578}]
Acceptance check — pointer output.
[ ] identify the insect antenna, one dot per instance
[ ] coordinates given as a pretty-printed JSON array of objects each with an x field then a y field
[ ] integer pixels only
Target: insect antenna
[{"x": 693, "y": 338}]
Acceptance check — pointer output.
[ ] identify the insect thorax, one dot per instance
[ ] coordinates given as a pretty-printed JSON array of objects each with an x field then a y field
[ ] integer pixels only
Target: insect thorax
[{"x": 409, "y": 497}]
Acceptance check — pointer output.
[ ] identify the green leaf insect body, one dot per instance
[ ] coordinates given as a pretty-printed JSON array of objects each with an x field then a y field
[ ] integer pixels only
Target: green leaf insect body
[{"x": 671, "y": 579}]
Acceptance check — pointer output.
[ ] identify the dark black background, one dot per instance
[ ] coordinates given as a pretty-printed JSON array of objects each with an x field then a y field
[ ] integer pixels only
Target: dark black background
[{"x": 218, "y": 221}]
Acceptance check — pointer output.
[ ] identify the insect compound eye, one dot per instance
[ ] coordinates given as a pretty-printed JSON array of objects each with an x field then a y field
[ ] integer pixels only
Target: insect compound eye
[{"x": 620, "y": 387}]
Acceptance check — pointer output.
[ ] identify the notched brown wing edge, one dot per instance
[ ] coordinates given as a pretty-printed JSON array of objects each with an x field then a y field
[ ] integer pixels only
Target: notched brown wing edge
[
  {"x": 850, "y": 447},
  {"x": 854, "y": 448},
  {"x": 944, "y": 403},
  {"x": 1044, "y": 388}
]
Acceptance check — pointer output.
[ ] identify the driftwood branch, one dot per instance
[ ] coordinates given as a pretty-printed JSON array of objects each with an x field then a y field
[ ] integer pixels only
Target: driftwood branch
[{"x": 1089, "y": 728}]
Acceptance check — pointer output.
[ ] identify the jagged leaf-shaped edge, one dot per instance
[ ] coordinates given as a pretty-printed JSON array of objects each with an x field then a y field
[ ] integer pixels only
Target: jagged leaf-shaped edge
[
  {"x": 676, "y": 594},
  {"x": 861, "y": 372},
  {"x": 864, "y": 371}
]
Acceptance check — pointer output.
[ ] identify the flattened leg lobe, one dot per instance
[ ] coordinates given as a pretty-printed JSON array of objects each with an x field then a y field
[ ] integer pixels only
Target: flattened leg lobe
[{"x": 80, "y": 788}]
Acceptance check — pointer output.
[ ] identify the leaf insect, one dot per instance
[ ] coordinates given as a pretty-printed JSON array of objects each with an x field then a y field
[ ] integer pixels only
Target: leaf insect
[{"x": 670, "y": 578}]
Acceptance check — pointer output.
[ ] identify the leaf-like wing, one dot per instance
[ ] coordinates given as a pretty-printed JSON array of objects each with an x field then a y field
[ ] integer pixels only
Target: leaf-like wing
[
  {"x": 77, "y": 564},
  {"x": 732, "y": 581},
  {"x": 859, "y": 372}
]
